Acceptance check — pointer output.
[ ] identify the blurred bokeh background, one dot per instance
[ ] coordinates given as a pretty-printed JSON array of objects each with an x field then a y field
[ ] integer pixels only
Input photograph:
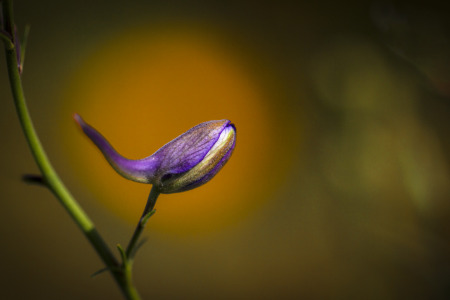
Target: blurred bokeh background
[{"x": 339, "y": 184}]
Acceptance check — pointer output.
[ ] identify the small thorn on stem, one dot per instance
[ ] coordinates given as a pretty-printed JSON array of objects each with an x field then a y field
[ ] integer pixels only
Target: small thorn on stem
[{"x": 34, "y": 179}]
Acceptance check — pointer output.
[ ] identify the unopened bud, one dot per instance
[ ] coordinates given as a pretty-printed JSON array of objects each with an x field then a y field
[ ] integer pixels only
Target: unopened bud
[{"x": 187, "y": 162}]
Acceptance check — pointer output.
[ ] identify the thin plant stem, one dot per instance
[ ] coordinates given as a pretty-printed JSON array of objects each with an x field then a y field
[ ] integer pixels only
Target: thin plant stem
[
  {"x": 148, "y": 212},
  {"x": 128, "y": 254},
  {"x": 50, "y": 177}
]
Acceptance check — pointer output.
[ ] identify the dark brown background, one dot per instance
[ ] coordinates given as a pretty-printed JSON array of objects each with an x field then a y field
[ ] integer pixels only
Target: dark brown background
[{"x": 360, "y": 210}]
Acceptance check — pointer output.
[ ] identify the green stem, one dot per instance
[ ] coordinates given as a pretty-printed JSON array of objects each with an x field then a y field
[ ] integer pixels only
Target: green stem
[
  {"x": 7, "y": 40},
  {"x": 129, "y": 287},
  {"x": 148, "y": 211},
  {"x": 127, "y": 274},
  {"x": 50, "y": 176},
  {"x": 128, "y": 255}
]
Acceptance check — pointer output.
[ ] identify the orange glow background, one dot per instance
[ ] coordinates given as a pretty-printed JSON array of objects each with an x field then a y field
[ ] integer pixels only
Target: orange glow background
[
  {"x": 339, "y": 185},
  {"x": 142, "y": 87}
]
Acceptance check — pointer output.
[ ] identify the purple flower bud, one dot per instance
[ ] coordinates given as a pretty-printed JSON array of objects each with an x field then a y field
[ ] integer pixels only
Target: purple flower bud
[{"x": 187, "y": 162}]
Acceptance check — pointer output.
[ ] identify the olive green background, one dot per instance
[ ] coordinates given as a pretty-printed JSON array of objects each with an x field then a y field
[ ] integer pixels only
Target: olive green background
[{"x": 364, "y": 213}]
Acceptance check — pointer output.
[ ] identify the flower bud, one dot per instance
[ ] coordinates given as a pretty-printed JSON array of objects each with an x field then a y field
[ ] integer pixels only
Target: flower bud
[{"x": 187, "y": 162}]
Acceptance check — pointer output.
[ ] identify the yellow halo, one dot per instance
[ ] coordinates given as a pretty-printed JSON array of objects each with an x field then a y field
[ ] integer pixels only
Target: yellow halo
[{"x": 141, "y": 89}]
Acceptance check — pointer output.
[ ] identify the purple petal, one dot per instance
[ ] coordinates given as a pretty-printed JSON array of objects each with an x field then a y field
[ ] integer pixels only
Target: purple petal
[
  {"x": 188, "y": 149},
  {"x": 207, "y": 177},
  {"x": 207, "y": 168},
  {"x": 142, "y": 170},
  {"x": 188, "y": 161}
]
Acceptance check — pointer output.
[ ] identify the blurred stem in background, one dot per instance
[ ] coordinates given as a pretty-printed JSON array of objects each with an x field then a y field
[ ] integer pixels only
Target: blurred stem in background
[{"x": 121, "y": 272}]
